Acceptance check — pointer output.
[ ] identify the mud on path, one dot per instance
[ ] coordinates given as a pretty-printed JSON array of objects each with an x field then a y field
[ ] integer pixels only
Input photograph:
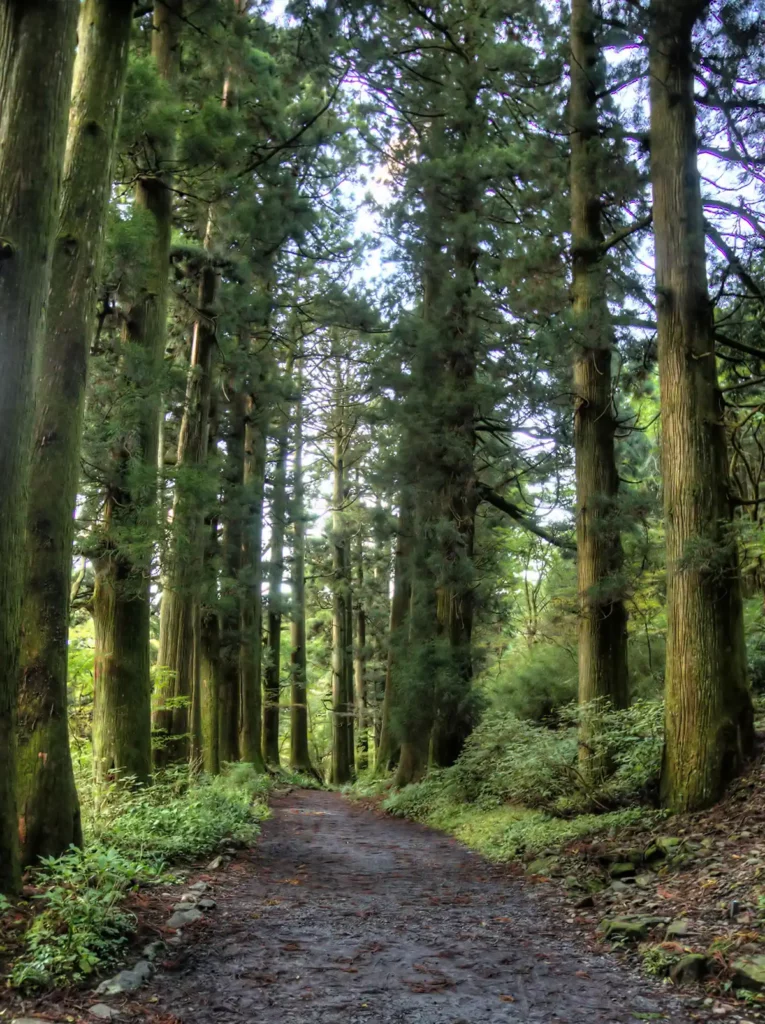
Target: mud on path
[{"x": 344, "y": 916}]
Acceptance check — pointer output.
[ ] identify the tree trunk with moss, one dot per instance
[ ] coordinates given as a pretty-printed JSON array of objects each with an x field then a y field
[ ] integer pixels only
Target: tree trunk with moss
[
  {"x": 123, "y": 578},
  {"x": 230, "y": 589},
  {"x": 272, "y": 688},
  {"x": 361, "y": 695},
  {"x": 180, "y": 623},
  {"x": 342, "y": 639},
  {"x": 47, "y": 800},
  {"x": 250, "y": 651},
  {"x": 388, "y": 746},
  {"x": 602, "y": 614},
  {"x": 300, "y": 758},
  {"x": 34, "y": 99},
  {"x": 708, "y": 729}
]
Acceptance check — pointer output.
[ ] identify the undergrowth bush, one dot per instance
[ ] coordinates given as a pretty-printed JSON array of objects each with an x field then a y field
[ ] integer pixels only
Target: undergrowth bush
[{"x": 132, "y": 835}]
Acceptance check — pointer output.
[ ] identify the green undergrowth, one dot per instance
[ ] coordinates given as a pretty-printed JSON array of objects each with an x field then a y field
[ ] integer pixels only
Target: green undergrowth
[
  {"x": 517, "y": 789},
  {"x": 79, "y": 922}
]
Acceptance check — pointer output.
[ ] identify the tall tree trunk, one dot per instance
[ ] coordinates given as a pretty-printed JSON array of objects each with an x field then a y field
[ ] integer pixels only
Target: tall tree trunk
[
  {"x": 34, "y": 98},
  {"x": 123, "y": 579},
  {"x": 709, "y": 729},
  {"x": 602, "y": 613},
  {"x": 342, "y": 665},
  {"x": 47, "y": 799},
  {"x": 360, "y": 663},
  {"x": 272, "y": 688},
  {"x": 388, "y": 747},
  {"x": 250, "y": 655},
  {"x": 300, "y": 758},
  {"x": 180, "y": 624},
  {"x": 209, "y": 661},
  {"x": 231, "y": 596}
]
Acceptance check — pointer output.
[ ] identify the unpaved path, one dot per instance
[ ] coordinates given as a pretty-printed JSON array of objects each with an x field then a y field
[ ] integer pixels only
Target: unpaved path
[{"x": 344, "y": 917}]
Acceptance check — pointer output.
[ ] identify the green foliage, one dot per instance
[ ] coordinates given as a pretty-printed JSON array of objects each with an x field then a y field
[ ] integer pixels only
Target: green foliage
[
  {"x": 82, "y": 926},
  {"x": 132, "y": 833},
  {"x": 658, "y": 961}
]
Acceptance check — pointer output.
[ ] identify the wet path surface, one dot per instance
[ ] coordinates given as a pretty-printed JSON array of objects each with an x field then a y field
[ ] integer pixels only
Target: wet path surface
[{"x": 344, "y": 916}]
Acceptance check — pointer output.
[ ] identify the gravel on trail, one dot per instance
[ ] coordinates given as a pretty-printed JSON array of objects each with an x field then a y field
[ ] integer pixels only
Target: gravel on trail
[{"x": 342, "y": 915}]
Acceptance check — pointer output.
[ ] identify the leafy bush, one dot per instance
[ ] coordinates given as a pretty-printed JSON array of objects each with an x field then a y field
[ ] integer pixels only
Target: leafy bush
[
  {"x": 537, "y": 683},
  {"x": 131, "y": 834},
  {"x": 82, "y": 926}
]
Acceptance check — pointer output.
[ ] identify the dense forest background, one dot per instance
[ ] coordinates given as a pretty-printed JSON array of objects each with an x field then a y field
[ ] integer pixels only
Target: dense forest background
[{"x": 381, "y": 397}]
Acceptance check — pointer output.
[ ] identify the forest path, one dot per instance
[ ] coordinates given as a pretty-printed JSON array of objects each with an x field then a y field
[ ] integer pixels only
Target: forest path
[{"x": 346, "y": 916}]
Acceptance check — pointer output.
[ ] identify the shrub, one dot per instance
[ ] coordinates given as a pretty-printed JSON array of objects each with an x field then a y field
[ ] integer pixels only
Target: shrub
[{"x": 82, "y": 926}]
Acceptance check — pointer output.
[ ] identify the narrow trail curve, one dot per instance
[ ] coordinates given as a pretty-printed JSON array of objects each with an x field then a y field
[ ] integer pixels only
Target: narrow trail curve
[{"x": 344, "y": 916}]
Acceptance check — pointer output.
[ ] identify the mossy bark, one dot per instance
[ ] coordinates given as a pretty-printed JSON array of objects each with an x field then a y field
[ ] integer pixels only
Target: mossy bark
[
  {"x": 178, "y": 658},
  {"x": 360, "y": 688},
  {"x": 231, "y": 594},
  {"x": 300, "y": 757},
  {"x": 34, "y": 99},
  {"x": 272, "y": 683},
  {"x": 342, "y": 639},
  {"x": 708, "y": 730},
  {"x": 250, "y": 651},
  {"x": 388, "y": 745},
  {"x": 48, "y": 804},
  {"x": 123, "y": 579},
  {"x": 602, "y": 613}
]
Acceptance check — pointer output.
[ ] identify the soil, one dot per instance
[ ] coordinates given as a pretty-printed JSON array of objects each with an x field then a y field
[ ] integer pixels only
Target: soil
[{"x": 346, "y": 916}]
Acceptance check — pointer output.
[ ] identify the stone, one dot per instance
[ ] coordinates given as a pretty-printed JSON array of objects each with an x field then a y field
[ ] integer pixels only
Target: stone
[
  {"x": 29, "y": 1020},
  {"x": 104, "y": 1012},
  {"x": 181, "y": 918},
  {"x": 693, "y": 967},
  {"x": 542, "y": 866},
  {"x": 215, "y": 863},
  {"x": 644, "y": 880},
  {"x": 199, "y": 887},
  {"x": 619, "y": 886},
  {"x": 153, "y": 949},
  {"x": 207, "y": 904},
  {"x": 126, "y": 981},
  {"x": 631, "y": 928},
  {"x": 677, "y": 929},
  {"x": 749, "y": 972},
  {"x": 622, "y": 870},
  {"x": 584, "y": 902},
  {"x": 189, "y": 897}
]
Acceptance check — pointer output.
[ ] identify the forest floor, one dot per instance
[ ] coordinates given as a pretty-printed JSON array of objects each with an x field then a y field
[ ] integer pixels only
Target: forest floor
[{"x": 343, "y": 915}]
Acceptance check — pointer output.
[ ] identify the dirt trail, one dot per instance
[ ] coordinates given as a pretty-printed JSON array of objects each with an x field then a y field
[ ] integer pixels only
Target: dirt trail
[{"x": 344, "y": 916}]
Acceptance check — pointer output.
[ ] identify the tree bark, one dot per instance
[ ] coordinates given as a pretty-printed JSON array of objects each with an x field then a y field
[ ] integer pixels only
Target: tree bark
[
  {"x": 360, "y": 663},
  {"x": 602, "y": 613},
  {"x": 272, "y": 688},
  {"x": 300, "y": 757},
  {"x": 47, "y": 798},
  {"x": 123, "y": 579},
  {"x": 34, "y": 98},
  {"x": 709, "y": 730},
  {"x": 250, "y": 664},
  {"x": 388, "y": 747},
  {"x": 342, "y": 665},
  {"x": 231, "y": 596}
]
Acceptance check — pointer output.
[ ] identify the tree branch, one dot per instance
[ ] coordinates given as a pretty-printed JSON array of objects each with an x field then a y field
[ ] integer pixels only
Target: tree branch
[
  {"x": 625, "y": 232},
  {"x": 490, "y": 496}
]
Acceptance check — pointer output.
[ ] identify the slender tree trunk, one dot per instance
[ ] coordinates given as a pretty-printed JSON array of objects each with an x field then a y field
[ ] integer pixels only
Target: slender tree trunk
[
  {"x": 123, "y": 580},
  {"x": 231, "y": 596},
  {"x": 250, "y": 665},
  {"x": 209, "y": 662},
  {"x": 47, "y": 799},
  {"x": 602, "y": 613},
  {"x": 360, "y": 664},
  {"x": 34, "y": 99},
  {"x": 272, "y": 689},
  {"x": 388, "y": 747},
  {"x": 709, "y": 730},
  {"x": 300, "y": 758},
  {"x": 342, "y": 666}
]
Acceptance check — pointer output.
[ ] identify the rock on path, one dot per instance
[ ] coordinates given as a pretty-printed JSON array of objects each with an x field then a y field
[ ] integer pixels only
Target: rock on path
[{"x": 343, "y": 916}]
